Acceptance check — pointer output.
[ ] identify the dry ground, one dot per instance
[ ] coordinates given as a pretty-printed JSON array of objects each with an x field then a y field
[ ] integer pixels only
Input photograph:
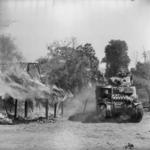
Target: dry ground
[{"x": 68, "y": 135}]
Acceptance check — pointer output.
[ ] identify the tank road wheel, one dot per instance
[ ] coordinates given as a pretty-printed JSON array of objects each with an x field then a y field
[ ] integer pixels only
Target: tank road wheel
[
  {"x": 138, "y": 114},
  {"x": 102, "y": 111}
]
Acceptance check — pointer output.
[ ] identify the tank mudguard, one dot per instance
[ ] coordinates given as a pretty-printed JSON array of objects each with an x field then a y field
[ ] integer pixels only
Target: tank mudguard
[{"x": 136, "y": 104}]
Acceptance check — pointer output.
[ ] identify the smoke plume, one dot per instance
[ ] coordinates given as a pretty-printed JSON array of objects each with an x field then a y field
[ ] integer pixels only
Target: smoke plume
[{"x": 15, "y": 81}]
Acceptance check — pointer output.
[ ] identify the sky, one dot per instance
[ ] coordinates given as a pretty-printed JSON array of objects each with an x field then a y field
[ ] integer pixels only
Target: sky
[{"x": 34, "y": 24}]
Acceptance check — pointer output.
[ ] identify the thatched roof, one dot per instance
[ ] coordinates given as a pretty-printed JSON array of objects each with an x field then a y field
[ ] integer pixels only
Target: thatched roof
[{"x": 17, "y": 83}]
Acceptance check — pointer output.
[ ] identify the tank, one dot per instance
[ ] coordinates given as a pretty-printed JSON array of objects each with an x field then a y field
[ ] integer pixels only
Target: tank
[{"x": 118, "y": 97}]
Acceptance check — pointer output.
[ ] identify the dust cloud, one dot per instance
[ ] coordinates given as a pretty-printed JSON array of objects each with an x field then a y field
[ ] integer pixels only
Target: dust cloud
[{"x": 82, "y": 107}]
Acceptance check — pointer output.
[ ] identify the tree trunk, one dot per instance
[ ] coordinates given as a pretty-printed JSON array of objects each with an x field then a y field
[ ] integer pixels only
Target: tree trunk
[
  {"x": 26, "y": 109},
  {"x": 46, "y": 109},
  {"x": 149, "y": 100},
  {"x": 148, "y": 92},
  {"x": 55, "y": 109},
  {"x": 16, "y": 104}
]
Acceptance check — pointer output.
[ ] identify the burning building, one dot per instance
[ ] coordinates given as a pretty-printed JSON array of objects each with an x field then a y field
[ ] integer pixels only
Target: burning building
[{"x": 22, "y": 82}]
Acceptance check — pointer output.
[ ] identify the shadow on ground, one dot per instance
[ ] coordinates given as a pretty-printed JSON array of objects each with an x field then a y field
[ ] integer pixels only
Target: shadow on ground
[
  {"x": 92, "y": 117},
  {"x": 21, "y": 120}
]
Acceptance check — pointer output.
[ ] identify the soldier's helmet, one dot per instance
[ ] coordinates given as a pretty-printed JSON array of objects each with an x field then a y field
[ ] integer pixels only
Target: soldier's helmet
[{"x": 122, "y": 73}]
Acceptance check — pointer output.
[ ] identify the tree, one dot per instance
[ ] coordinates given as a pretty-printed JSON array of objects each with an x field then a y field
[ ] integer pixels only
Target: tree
[
  {"x": 143, "y": 70},
  {"x": 116, "y": 57},
  {"x": 142, "y": 79},
  {"x": 70, "y": 67}
]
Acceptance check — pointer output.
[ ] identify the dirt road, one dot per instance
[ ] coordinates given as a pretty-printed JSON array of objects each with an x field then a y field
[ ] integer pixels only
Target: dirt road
[{"x": 68, "y": 135}]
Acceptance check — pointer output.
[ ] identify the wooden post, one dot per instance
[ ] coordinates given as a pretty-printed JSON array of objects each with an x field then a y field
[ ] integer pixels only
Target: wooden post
[
  {"x": 16, "y": 104},
  {"x": 85, "y": 105},
  {"x": 62, "y": 108},
  {"x": 55, "y": 109},
  {"x": 26, "y": 109},
  {"x": 5, "y": 107},
  {"x": 46, "y": 109}
]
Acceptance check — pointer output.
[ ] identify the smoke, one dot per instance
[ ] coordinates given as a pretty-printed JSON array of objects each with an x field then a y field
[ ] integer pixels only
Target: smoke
[
  {"x": 17, "y": 83},
  {"x": 14, "y": 79},
  {"x": 8, "y": 50}
]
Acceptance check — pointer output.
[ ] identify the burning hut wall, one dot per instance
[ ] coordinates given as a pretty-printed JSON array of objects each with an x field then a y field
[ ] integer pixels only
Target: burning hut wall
[{"x": 22, "y": 82}]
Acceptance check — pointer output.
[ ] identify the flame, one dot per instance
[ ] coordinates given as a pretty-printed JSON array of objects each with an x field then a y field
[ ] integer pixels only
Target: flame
[{"x": 17, "y": 83}]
